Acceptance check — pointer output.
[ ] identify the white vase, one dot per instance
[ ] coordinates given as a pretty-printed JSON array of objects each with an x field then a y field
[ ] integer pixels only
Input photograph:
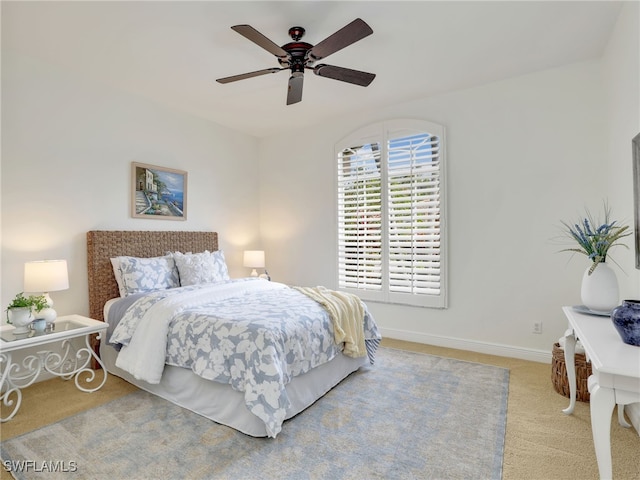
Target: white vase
[
  {"x": 20, "y": 318},
  {"x": 599, "y": 290}
]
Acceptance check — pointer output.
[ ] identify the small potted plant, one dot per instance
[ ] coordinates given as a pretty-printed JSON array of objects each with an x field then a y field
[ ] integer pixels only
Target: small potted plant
[
  {"x": 594, "y": 239},
  {"x": 21, "y": 310}
]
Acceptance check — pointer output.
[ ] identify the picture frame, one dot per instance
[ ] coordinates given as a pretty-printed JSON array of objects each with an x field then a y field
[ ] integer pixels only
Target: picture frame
[
  {"x": 635, "y": 145},
  {"x": 158, "y": 192}
]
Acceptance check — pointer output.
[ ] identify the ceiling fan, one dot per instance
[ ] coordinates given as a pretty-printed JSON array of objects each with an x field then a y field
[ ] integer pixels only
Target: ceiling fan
[{"x": 298, "y": 56}]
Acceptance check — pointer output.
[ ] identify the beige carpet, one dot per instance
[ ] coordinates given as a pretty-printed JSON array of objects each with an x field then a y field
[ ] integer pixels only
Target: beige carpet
[{"x": 541, "y": 442}]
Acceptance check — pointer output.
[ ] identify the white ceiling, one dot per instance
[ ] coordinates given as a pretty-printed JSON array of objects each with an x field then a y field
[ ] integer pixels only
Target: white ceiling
[{"x": 172, "y": 52}]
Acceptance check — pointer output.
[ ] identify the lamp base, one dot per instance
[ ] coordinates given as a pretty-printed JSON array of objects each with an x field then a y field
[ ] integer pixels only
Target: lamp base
[
  {"x": 47, "y": 298},
  {"x": 265, "y": 275},
  {"x": 48, "y": 314}
]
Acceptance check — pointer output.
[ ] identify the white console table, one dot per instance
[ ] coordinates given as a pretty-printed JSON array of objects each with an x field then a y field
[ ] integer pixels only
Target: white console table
[{"x": 615, "y": 378}]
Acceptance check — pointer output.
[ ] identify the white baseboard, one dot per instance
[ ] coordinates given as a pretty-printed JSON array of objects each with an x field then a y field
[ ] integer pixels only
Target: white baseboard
[{"x": 541, "y": 356}]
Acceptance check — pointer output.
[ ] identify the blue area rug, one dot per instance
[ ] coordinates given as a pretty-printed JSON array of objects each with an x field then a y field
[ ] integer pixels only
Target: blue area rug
[{"x": 409, "y": 416}]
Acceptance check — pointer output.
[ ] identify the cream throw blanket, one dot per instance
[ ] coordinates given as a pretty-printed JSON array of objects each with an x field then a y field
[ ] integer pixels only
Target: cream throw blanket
[{"x": 347, "y": 314}]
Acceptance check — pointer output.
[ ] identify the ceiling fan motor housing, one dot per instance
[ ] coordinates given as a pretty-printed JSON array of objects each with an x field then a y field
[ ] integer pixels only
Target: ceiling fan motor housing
[{"x": 298, "y": 56}]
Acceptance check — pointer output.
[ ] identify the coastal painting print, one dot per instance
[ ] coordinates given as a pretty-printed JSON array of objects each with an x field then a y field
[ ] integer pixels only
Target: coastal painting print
[{"x": 158, "y": 192}]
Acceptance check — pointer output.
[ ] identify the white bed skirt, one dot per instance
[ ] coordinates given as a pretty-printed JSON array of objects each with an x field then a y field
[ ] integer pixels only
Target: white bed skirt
[{"x": 222, "y": 404}]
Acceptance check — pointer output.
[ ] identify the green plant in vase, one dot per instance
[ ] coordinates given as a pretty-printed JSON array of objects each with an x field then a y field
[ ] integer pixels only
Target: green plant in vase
[{"x": 21, "y": 310}]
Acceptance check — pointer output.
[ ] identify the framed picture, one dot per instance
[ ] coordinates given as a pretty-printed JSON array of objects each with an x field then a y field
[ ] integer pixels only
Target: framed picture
[
  {"x": 635, "y": 144},
  {"x": 158, "y": 192}
]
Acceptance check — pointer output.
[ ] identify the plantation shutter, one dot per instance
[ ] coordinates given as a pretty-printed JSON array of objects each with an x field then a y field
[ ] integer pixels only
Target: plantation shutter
[
  {"x": 391, "y": 213},
  {"x": 413, "y": 189},
  {"x": 360, "y": 218}
]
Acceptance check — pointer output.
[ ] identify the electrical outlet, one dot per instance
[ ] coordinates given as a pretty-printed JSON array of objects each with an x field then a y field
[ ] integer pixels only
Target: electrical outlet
[{"x": 537, "y": 327}]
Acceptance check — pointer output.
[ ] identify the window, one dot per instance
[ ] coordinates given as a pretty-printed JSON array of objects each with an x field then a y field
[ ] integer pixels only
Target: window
[{"x": 391, "y": 223}]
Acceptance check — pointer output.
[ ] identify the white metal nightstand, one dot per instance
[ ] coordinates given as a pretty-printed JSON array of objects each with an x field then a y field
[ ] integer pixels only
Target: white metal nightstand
[{"x": 70, "y": 363}]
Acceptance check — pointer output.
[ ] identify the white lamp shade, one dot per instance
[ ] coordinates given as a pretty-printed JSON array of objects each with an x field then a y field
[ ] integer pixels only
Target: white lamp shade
[
  {"x": 254, "y": 258},
  {"x": 46, "y": 276}
]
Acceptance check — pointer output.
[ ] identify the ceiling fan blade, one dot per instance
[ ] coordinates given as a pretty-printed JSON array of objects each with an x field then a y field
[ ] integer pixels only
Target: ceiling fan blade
[
  {"x": 294, "y": 93},
  {"x": 344, "y": 74},
  {"x": 259, "y": 39},
  {"x": 351, "y": 33},
  {"x": 235, "y": 78}
]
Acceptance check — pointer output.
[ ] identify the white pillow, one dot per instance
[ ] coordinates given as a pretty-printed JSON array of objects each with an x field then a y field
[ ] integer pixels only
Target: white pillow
[
  {"x": 135, "y": 275},
  {"x": 199, "y": 268}
]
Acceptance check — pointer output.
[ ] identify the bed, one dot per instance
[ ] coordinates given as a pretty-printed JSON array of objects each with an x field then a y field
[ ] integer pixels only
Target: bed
[{"x": 242, "y": 326}]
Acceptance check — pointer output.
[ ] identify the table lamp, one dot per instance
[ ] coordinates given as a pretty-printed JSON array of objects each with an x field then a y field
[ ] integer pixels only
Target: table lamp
[
  {"x": 46, "y": 276},
  {"x": 254, "y": 259}
]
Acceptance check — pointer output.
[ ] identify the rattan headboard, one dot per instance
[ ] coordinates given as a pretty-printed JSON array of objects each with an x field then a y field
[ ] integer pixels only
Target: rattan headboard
[{"x": 102, "y": 245}]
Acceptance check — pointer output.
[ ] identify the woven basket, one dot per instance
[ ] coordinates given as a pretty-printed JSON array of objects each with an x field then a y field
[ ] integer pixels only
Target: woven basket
[{"x": 559, "y": 374}]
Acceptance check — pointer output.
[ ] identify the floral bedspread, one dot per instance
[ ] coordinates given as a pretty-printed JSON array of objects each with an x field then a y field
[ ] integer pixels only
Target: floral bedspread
[{"x": 252, "y": 334}]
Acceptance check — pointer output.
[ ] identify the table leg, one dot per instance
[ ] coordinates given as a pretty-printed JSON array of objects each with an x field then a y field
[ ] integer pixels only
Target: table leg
[
  {"x": 621, "y": 420},
  {"x": 602, "y": 403},
  {"x": 8, "y": 389},
  {"x": 91, "y": 372},
  {"x": 14, "y": 378},
  {"x": 570, "y": 364}
]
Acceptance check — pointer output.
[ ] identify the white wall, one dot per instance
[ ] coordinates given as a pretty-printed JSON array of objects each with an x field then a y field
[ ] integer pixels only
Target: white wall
[
  {"x": 523, "y": 154},
  {"x": 67, "y": 148},
  {"x": 621, "y": 74}
]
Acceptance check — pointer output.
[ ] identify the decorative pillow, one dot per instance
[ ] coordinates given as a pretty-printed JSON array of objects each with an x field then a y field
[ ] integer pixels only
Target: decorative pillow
[
  {"x": 115, "y": 264},
  {"x": 198, "y": 268},
  {"x": 135, "y": 275}
]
